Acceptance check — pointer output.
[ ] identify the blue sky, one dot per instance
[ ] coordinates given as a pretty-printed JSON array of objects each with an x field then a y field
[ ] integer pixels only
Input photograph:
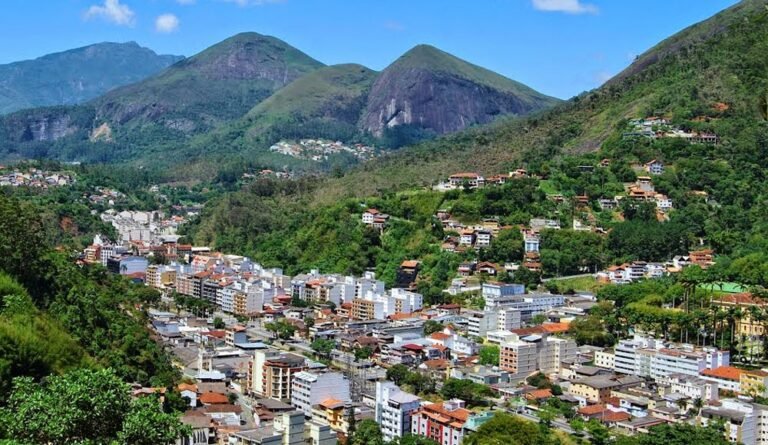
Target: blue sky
[{"x": 559, "y": 47}]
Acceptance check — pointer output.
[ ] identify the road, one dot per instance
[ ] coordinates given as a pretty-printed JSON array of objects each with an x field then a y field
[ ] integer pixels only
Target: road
[{"x": 583, "y": 275}]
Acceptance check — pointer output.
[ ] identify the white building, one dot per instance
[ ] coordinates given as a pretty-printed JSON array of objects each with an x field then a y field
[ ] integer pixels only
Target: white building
[
  {"x": 310, "y": 389},
  {"x": 496, "y": 293},
  {"x": 605, "y": 359},
  {"x": 479, "y": 323},
  {"x": 393, "y": 410}
]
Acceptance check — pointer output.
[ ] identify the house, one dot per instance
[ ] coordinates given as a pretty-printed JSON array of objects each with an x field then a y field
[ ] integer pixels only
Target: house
[
  {"x": 467, "y": 238},
  {"x": 482, "y": 238},
  {"x": 654, "y": 167},
  {"x": 703, "y": 258},
  {"x": 473, "y": 180},
  {"x": 441, "y": 422}
]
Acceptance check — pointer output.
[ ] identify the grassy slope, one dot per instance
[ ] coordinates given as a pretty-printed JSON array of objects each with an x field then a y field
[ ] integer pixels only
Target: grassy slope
[{"x": 313, "y": 94}]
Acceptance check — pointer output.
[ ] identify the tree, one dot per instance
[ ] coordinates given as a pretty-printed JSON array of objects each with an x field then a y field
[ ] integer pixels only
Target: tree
[
  {"x": 398, "y": 374},
  {"x": 506, "y": 429},
  {"x": 538, "y": 319},
  {"x": 682, "y": 434},
  {"x": 281, "y": 329},
  {"x": 218, "y": 323},
  {"x": 466, "y": 390},
  {"x": 489, "y": 355},
  {"x": 599, "y": 433},
  {"x": 147, "y": 424},
  {"x": 368, "y": 432},
  {"x": 432, "y": 326},
  {"x": 323, "y": 347},
  {"x": 85, "y": 406},
  {"x": 412, "y": 439},
  {"x": 363, "y": 353}
]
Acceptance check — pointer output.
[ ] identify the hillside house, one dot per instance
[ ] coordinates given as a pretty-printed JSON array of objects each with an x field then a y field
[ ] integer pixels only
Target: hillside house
[
  {"x": 654, "y": 167},
  {"x": 473, "y": 180}
]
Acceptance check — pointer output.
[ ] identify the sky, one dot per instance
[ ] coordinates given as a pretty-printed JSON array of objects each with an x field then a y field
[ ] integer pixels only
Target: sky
[{"x": 559, "y": 47}]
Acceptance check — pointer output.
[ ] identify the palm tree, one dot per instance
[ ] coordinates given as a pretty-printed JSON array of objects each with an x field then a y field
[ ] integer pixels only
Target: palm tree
[
  {"x": 698, "y": 404},
  {"x": 682, "y": 404}
]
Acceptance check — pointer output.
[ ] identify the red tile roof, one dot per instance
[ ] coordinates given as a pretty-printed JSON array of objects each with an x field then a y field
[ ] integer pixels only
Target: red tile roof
[
  {"x": 591, "y": 410},
  {"x": 723, "y": 372},
  {"x": 539, "y": 394},
  {"x": 214, "y": 398}
]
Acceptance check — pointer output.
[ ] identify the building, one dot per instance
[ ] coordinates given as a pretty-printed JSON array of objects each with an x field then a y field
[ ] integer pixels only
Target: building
[
  {"x": 441, "y": 422},
  {"x": 310, "y": 389},
  {"x": 394, "y": 408},
  {"x": 518, "y": 357},
  {"x": 472, "y": 180},
  {"x": 271, "y": 373},
  {"x": 648, "y": 357},
  {"x": 287, "y": 429},
  {"x": 479, "y": 323},
  {"x": 605, "y": 359},
  {"x": 496, "y": 293},
  {"x": 745, "y": 325},
  {"x": 598, "y": 389},
  {"x": 754, "y": 382},
  {"x": 654, "y": 167},
  {"x": 127, "y": 265}
]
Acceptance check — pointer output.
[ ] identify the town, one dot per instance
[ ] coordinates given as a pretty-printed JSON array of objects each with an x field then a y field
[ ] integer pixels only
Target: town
[
  {"x": 320, "y": 150},
  {"x": 271, "y": 358}
]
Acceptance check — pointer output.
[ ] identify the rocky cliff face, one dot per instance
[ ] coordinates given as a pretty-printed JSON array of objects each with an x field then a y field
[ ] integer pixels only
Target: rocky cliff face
[{"x": 439, "y": 92}]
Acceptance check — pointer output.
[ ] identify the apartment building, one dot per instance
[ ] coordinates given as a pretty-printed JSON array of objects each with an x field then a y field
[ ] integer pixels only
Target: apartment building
[
  {"x": 287, "y": 429},
  {"x": 648, "y": 357},
  {"x": 493, "y": 293},
  {"x": 479, "y": 323},
  {"x": 745, "y": 422},
  {"x": 518, "y": 357},
  {"x": 271, "y": 374},
  {"x": 553, "y": 351},
  {"x": 509, "y": 318},
  {"x": 691, "y": 387},
  {"x": 394, "y": 408},
  {"x": 441, "y": 422},
  {"x": 309, "y": 389},
  {"x": 605, "y": 359}
]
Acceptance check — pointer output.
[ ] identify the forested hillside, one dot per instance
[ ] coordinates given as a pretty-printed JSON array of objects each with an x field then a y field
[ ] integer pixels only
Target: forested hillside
[{"x": 711, "y": 79}]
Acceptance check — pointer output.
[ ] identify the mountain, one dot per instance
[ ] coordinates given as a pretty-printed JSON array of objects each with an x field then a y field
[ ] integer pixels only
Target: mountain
[
  {"x": 247, "y": 92},
  {"x": 221, "y": 83},
  {"x": 77, "y": 75},
  {"x": 710, "y": 79},
  {"x": 333, "y": 94},
  {"x": 712, "y": 76},
  {"x": 433, "y": 90}
]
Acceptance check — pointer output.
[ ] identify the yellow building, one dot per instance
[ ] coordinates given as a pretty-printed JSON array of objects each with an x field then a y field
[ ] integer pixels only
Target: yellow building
[
  {"x": 754, "y": 382},
  {"x": 744, "y": 301},
  {"x": 332, "y": 412}
]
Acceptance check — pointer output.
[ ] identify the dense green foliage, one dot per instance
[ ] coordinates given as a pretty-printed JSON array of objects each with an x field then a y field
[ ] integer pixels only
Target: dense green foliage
[
  {"x": 60, "y": 316},
  {"x": 85, "y": 407}
]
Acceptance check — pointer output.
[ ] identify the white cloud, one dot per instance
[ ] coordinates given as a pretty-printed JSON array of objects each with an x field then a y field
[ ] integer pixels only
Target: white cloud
[
  {"x": 602, "y": 76},
  {"x": 393, "y": 25},
  {"x": 253, "y": 2},
  {"x": 112, "y": 11},
  {"x": 166, "y": 23},
  {"x": 566, "y": 6}
]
